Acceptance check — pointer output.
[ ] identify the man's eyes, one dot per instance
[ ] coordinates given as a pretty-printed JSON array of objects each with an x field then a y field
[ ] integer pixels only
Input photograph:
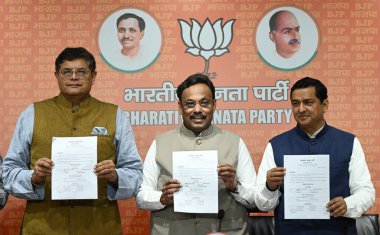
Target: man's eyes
[
  {"x": 202, "y": 103},
  {"x": 81, "y": 72},
  {"x": 307, "y": 103}
]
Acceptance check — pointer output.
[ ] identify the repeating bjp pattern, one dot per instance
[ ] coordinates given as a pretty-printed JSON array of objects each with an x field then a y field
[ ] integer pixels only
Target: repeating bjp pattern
[
  {"x": 206, "y": 40},
  {"x": 34, "y": 32}
]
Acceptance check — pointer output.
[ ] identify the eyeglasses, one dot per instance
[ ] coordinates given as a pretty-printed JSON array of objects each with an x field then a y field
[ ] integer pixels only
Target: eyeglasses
[
  {"x": 81, "y": 73},
  {"x": 190, "y": 104}
]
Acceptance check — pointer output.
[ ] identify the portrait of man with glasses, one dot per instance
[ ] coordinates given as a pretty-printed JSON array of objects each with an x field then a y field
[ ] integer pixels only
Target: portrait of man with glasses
[
  {"x": 27, "y": 167},
  {"x": 236, "y": 173}
]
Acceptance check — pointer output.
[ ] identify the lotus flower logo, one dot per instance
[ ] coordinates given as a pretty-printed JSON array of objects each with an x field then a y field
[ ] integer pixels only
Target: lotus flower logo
[{"x": 206, "y": 40}]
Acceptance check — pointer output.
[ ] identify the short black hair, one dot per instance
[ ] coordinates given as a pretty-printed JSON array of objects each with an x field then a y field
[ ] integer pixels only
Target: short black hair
[
  {"x": 273, "y": 20},
  {"x": 74, "y": 53},
  {"x": 195, "y": 79},
  {"x": 126, "y": 16},
  {"x": 320, "y": 88}
]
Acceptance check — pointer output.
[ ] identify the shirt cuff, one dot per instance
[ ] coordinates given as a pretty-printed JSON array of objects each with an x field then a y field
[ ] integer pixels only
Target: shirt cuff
[
  {"x": 350, "y": 213},
  {"x": 269, "y": 193}
]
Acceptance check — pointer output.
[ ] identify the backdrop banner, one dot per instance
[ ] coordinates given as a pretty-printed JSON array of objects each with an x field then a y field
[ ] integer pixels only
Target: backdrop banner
[{"x": 232, "y": 41}]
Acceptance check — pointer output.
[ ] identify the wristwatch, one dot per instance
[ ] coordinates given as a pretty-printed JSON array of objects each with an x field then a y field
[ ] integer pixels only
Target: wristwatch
[
  {"x": 272, "y": 190},
  {"x": 237, "y": 188},
  {"x": 31, "y": 179},
  {"x": 162, "y": 201}
]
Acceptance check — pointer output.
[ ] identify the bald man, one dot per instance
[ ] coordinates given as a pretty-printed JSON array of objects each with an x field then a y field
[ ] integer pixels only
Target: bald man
[{"x": 285, "y": 33}]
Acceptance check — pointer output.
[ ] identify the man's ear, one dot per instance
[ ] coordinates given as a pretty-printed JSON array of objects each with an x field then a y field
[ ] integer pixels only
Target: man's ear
[
  {"x": 142, "y": 33},
  {"x": 180, "y": 107},
  {"x": 93, "y": 77},
  {"x": 325, "y": 104},
  {"x": 271, "y": 35},
  {"x": 214, "y": 105}
]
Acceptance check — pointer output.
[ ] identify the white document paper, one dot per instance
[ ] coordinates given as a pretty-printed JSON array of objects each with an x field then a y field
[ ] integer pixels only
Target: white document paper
[
  {"x": 306, "y": 186},
  {"x": 197, "y": 173},
  {"x": 73, "y": 176}
]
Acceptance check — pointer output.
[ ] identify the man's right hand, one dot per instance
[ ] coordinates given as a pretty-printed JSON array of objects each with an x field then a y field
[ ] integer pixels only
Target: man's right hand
[
  {"x": 275, "y": 177},
  {"x": 42, "y": 168},
  {"x": 170, "y": 187}
]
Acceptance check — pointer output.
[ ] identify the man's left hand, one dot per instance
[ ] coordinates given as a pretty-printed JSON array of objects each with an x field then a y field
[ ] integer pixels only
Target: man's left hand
[
  {"x": 106, "y": 170},
  {"x": 227, "y": 173},
  {"x": 337, "y": 207}
]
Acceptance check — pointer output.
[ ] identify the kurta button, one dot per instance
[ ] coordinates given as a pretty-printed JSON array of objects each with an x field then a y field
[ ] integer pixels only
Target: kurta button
[
  {"x": 313, "y": 142},
  {"x": 198, "y": 141},
  {"x": 74, "y": 129},
  {"x": 73, "y": 111}
]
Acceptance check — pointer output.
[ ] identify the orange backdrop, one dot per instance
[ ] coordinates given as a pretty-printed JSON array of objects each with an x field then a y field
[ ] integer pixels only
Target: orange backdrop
[{"x": 33, "y": 32}]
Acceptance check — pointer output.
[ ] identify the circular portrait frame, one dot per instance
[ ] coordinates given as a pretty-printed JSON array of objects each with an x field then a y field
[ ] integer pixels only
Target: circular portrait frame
[
  {"x": 110, "y": 47},
  {"x": 309, "y": 40}
]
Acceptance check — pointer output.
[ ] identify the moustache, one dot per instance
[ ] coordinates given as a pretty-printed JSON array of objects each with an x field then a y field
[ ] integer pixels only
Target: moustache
[
  {"x": 197, "y": 116},
  {"x": 294, "y": 41},
  {"x": 303, "y": 115}
]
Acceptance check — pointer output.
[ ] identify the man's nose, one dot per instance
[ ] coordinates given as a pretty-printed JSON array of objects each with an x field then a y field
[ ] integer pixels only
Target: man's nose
[
  {"x": 127, "y": 34},
  {"x": 74, "y": 75},
  {"x": 197, "y": 107},
  {"x": 295, "y": 34},
  {"x": 302, "y": 108}
]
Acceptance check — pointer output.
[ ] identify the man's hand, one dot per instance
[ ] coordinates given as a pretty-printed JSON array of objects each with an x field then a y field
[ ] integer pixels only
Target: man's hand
[
  {"x": 170, "y": 187},
  {"x": 227, "y": 173},
  {"x": 106, "y": 170},
  {"x": 337, "y": 207},
  {"x": 42, "y": 168},
  {"x": 275, "y": 177}
]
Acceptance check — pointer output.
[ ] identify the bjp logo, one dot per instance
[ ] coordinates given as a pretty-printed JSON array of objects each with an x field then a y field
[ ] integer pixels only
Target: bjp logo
[{"x": 206, "y": 40}]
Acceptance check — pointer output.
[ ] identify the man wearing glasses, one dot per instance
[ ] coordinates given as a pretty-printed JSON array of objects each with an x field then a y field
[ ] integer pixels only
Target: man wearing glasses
[
  {"x": 236, "y": 173},
  {"x": 73, "y": 113}
]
